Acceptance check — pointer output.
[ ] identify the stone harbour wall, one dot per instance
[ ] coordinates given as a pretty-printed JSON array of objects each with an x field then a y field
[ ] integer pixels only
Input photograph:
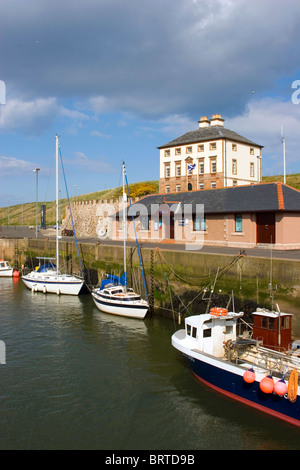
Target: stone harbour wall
[{"x": 91, "y": 218}]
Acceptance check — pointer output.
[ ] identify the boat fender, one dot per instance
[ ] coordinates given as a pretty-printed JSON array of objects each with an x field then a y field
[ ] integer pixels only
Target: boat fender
[
  {"x": 293, "y": 386},
  {"x": 267, "y": 384},
  {"x": 249, "y": 376},
  {"x": 280, "y": 388},
  {"x": 218, "y": 311},
  {"x": 45, "y": 290}
]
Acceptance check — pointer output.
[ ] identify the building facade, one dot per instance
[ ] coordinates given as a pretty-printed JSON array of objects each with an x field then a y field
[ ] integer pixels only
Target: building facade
[
  {"x": 244, "y": 216},
  {"x": 210, "y": 157}
]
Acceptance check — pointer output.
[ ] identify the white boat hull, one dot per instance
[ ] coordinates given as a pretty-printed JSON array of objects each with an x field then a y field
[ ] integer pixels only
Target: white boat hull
[
  {"x": 55, "y": 284},
  {"x": 135, "y": 309},
  {"x": 7, "y": 272}
]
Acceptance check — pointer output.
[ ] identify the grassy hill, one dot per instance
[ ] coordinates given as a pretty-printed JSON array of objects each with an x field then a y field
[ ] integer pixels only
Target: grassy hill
[
  {"x": 291, "y": 180},
  {"x": 25, "y": 214}
]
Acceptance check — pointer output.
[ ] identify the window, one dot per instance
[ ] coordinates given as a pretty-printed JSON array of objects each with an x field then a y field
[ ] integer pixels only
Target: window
[
  {"x": 194, "y": 332},
  {"x": 234, "y": 167},
  {"x": 213, "y": 166},
  {"x": 189, "y": 150},
  {"x": 251, "y": 151},
  {"x": 178, "y": 169},
  {"x": 234, "y": 147},
  {"x": 188, "y": 329},
  {"x": 167, "y": 153},
  {"x": 199, "y": 223},
  {"x": 178, "y": 188},
  {"x": 178, "y": 151},
  {"x": 234, "y": 183},
  {"x": 201, "y": 167},
  {"x": 213, "y": 146},
  {"x": 190, "y": 186},
  {"x": 271, "y": 323},
  {"x": 238, "y": 223},
  {"x": 167, "y": 172},
  {"x": 207, "y": 333},
  {"x": 167, "y": 189},
  {"x": 252, "y": 169},
  {"x": 201, "y": 185},
  {"x": 213, "y": 185},
  {"x": 144, "y": 222},
  {"x": 201, "y": 148}
]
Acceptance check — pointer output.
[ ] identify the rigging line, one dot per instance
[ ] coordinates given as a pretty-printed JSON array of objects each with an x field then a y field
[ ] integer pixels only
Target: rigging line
[
  {"x": 137, "y": 244},
  {"x": 222, "y": 270},
  {"x": 63, "y": 170}
]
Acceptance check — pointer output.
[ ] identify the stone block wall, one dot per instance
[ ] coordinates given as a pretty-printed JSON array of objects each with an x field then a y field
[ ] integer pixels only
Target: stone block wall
[{"x": 91, "y": 218}]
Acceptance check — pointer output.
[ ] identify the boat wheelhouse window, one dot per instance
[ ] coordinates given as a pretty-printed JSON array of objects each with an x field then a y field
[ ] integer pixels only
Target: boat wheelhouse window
[
  {"x": 188, "y": 329},
  {"x": 264, "y": 322},
  {"x": 271, "y": 323},
  {"x": 2, "y": 265},
  {"x": 194, "y": 332},
  {"x": 285, "y": 322},
  {"x": 228, "y": 329},
  {"x": 207, "y": 333}
]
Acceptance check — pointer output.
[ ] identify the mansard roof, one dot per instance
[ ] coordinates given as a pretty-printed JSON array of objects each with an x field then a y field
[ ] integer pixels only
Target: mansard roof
[{"x": 207, "y": 134}]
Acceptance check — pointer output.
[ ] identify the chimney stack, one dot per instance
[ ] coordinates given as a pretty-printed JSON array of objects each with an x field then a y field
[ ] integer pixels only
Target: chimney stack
[
  {"x": 217, "y": 120},
  {"x": 204, "y": 122}
]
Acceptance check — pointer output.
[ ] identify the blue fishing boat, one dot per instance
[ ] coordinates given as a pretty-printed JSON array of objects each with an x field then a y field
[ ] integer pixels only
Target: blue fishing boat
[{"x": 259, "y": 368}]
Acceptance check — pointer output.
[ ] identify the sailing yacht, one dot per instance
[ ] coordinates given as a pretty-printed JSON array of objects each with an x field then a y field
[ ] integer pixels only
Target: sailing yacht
[
  {"x": 47, "y": 277},
  {"x": 113, "y": 296}
]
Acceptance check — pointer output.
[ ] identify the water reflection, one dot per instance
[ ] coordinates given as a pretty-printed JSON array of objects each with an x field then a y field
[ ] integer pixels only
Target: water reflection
[{"x": 77, "y": 378}]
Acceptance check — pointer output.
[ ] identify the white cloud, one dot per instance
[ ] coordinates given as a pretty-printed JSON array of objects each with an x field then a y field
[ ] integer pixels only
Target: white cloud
[
  {"x": 12, "y": 165},
  {"x": 35, "y": 116},
  {"x": 262, "y": 122},
  {"x": 81, "y": 160}
]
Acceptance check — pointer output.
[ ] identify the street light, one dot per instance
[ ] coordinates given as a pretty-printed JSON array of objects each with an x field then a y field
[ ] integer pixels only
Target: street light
[{"x": 36, "y": 170}]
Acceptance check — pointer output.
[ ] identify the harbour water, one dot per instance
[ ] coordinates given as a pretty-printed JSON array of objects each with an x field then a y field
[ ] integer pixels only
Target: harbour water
[{"x": 75, "y": 378}]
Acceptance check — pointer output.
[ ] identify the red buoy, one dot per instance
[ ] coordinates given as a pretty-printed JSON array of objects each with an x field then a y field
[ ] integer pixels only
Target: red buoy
[
  {"x": 16, "y": 274},
  {"x": 267, "y": 384},
  {"x": 249, "y": 376},
  {"x": 280, "y": 388}
]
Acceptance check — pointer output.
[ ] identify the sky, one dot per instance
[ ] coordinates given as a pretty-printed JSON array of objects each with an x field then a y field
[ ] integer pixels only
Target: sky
[{"x": 115, "y": 80}]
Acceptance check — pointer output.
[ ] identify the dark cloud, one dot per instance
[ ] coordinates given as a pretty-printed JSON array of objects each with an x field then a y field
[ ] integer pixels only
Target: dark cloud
[{"x": 152, "y": 58}]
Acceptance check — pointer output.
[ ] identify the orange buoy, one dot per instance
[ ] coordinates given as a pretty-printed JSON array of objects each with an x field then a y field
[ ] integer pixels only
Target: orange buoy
[
  {"x": 280, "y": 388},
  {"x": 249, "y": 376},
  {"x": 218, "y": 311},
  {"x": 16, "y": 273},
  {"x": 267, "y": 384}
]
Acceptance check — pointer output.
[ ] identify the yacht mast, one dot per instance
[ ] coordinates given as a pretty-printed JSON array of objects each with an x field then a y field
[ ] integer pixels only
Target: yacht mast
[
  {"x": 124, "y": 222},
  {"x": 57, "y": 219}
]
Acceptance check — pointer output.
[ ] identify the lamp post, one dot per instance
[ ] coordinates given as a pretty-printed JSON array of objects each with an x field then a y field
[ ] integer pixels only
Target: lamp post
[{"x": 36, "y": 170}]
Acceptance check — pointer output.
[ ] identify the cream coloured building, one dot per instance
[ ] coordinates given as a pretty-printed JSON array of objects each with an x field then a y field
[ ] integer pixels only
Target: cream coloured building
[{"x": 209, "y": 157}]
